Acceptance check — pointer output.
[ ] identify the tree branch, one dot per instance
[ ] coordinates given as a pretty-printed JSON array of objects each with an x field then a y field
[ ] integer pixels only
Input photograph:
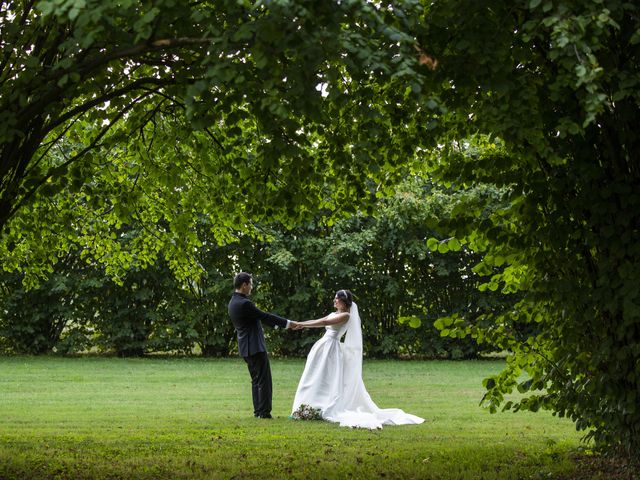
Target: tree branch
[
  {"x": 48, "y": 146},
  {"x": 80, "y": 109},
  {"x": 89, "y": 147},
  {"x": 136, "y": 50}
]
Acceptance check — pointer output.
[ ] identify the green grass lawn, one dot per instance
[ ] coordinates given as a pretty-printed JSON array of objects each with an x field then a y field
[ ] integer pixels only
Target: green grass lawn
[{"x": 192, "y": 418}]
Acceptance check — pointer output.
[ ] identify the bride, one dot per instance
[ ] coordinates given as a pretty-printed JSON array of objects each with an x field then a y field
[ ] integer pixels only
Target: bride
[{"x": 332, "y": 377}]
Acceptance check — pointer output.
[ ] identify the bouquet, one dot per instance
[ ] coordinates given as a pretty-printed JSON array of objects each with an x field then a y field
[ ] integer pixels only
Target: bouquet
[{"x": 307, "y": 412}]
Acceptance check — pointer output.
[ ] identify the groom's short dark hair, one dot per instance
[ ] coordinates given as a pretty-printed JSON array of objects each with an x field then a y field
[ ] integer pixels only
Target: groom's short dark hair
[{"x": 241, "y": 279}]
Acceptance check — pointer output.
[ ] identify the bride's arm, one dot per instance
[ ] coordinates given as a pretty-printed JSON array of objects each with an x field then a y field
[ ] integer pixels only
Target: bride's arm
[{"x": 324, "y": 321}]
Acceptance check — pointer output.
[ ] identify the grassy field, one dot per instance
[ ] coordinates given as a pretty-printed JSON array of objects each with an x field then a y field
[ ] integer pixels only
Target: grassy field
[{"x": 192, "y": 418}]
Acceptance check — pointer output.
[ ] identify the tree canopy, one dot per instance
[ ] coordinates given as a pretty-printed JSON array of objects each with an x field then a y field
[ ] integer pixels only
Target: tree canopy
[
  {"x": 159, "y": 111},
  {"x": 550, "y": 93}
]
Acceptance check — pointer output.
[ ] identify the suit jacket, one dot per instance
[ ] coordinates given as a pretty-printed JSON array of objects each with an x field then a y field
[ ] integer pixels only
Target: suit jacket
[{"x": 248, "y": 319}]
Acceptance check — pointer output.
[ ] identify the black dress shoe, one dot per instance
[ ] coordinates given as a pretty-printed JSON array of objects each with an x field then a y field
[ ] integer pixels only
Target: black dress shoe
[{"x": 265, "y": 415}]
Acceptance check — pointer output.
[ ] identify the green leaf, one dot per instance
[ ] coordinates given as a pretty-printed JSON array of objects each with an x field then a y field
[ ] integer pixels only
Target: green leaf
[
  {"x": 432, "y": 244},
  {"x": 443, "y": 248},
  {"x": 453, "y": 245}
]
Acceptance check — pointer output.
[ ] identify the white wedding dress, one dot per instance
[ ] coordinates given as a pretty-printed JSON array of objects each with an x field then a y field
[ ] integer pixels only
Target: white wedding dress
[{"x": 332, "y": 381}]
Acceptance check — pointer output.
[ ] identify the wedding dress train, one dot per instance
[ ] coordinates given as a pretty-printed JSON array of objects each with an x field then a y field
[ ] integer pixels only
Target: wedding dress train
[{"x": 332, "y": 381}]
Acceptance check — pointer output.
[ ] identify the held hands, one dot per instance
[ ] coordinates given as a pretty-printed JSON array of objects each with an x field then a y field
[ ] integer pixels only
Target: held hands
[{"x": 296, "y": 325}]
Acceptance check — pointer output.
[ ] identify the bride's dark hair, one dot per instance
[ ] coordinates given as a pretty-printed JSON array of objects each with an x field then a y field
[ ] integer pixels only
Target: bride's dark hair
[{"x": 345, "y": 296}]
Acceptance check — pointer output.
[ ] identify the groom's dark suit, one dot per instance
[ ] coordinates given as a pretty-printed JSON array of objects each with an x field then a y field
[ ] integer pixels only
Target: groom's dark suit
[{"x": 248, "y": 319}]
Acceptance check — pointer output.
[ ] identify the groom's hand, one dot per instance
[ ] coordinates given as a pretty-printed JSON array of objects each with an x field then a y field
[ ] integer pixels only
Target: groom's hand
[{"x": 295, "y": 325}]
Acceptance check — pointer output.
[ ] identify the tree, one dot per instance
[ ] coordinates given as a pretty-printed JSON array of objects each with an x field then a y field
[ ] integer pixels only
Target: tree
[
  {"x": 134, "y": 109},
  {"x": 549, "y": 90}
]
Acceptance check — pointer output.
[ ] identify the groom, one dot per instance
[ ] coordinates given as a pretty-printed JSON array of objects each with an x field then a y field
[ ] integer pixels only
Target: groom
[{"x": 248, "y": 319}]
